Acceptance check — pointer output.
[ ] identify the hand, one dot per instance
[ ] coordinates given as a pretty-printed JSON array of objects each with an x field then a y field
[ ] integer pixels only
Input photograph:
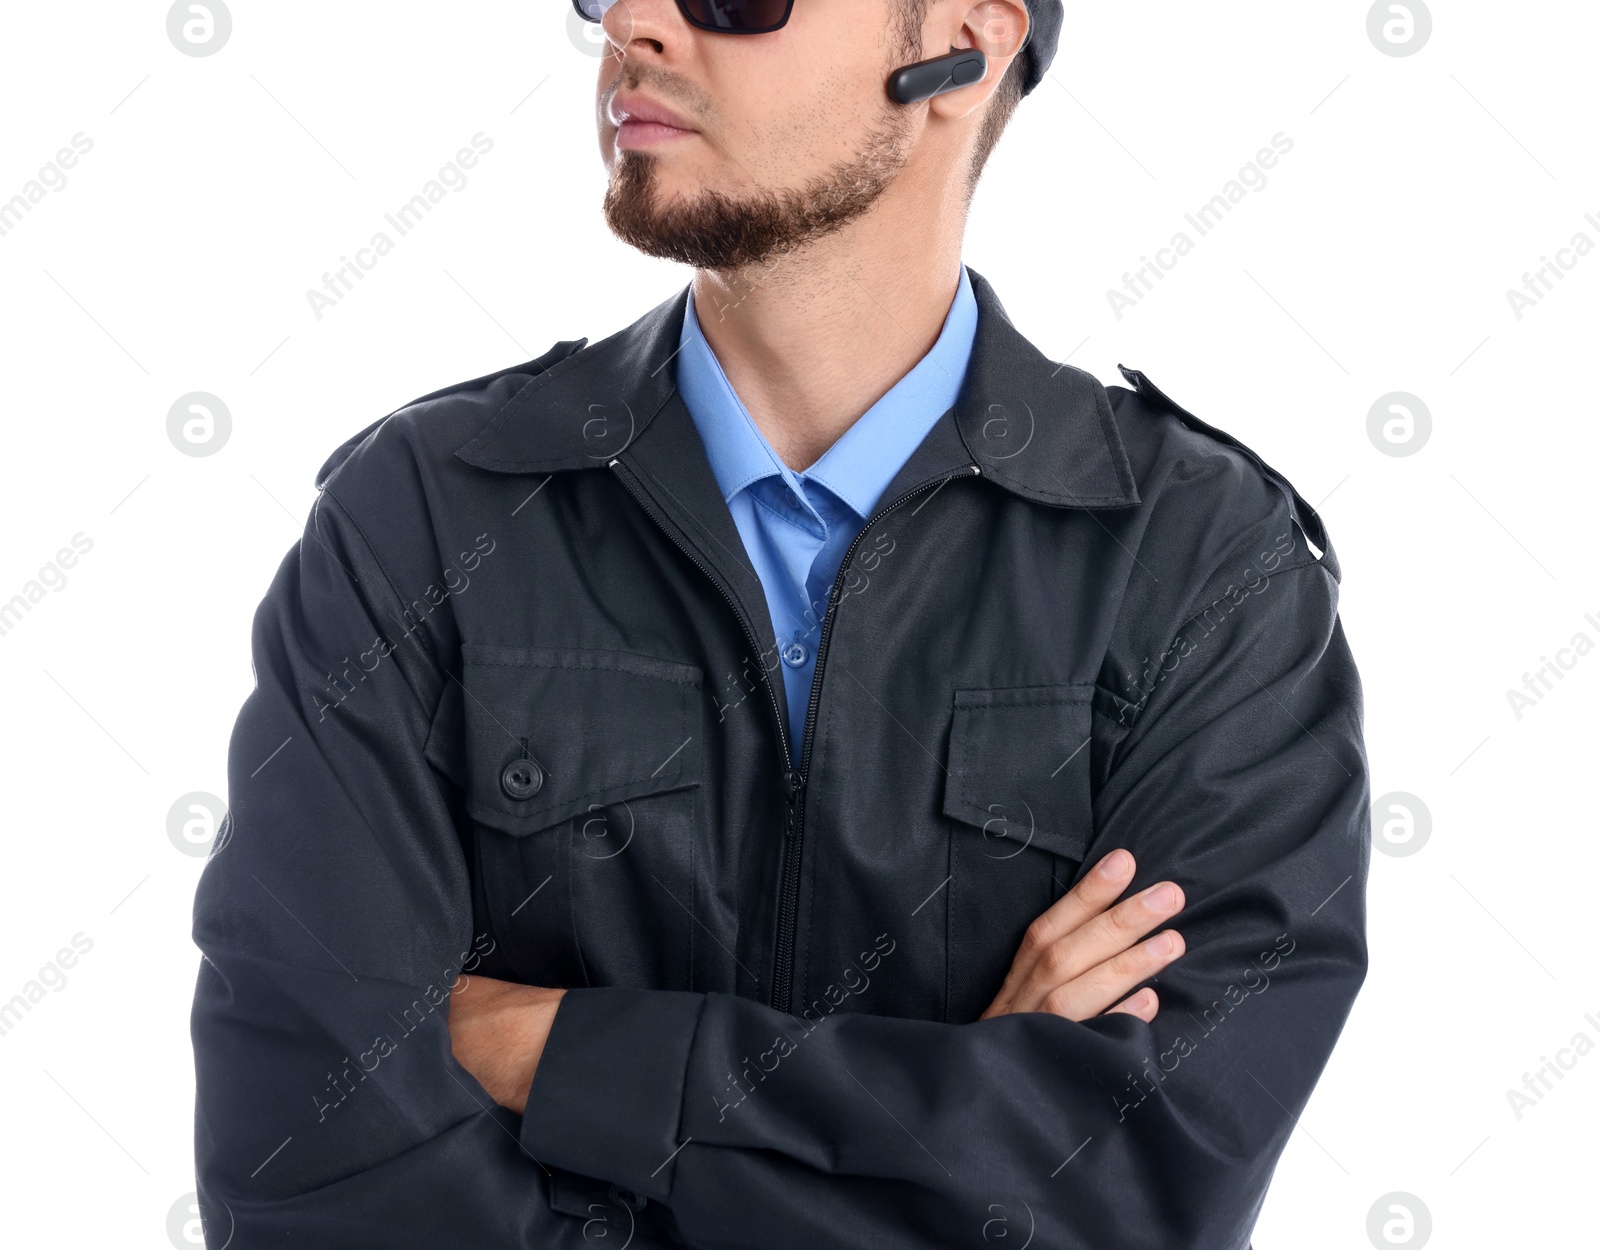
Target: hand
[
  {"x": 1078, "y": 958},
  {"x": 497, "y": 1033}
]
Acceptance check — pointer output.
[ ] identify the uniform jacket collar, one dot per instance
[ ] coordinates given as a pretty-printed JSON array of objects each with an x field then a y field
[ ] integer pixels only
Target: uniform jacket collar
[{"x": 1042, "y": 430}]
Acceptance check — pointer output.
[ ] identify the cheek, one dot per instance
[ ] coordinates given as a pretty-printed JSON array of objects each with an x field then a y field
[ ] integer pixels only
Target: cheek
[{"x": 801, "y": 133}]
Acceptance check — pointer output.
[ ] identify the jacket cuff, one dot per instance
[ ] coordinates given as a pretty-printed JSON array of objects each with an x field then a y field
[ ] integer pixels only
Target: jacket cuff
[{"x": 608, "y": 1092}]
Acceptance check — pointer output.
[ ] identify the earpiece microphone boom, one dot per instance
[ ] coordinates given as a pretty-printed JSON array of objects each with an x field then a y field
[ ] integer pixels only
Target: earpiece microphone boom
[{"x": 959, "y": 68}]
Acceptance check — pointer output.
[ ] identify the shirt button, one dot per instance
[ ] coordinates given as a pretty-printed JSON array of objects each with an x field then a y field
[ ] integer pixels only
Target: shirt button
[
  {"x": 521, "y": 779},
  {"x": 794, "y": 655}
]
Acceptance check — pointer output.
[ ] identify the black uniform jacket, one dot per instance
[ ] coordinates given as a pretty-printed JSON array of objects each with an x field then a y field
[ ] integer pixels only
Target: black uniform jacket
[{"x": 517, "y": 714}]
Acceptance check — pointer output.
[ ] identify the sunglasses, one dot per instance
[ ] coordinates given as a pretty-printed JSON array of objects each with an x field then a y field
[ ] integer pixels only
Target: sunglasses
[{"x": 725, "y": 17}]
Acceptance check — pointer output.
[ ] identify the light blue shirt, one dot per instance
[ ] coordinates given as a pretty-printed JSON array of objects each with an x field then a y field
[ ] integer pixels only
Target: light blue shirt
[{"x": 796, "y": 527}]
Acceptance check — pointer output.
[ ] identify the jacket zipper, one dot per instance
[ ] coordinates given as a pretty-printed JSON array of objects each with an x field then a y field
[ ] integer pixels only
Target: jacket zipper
[
  {"x": 789, "y": 894},
  {"x": 794, "y": 779}
]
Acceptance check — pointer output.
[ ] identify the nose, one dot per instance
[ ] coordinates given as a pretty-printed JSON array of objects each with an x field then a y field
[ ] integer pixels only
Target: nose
[{"x": 649, "y": 22}]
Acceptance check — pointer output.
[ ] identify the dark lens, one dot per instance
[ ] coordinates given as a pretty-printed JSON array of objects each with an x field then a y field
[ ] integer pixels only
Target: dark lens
[
  {"x": 736, "y": 17},
  {"x": 592, "y": 10}
]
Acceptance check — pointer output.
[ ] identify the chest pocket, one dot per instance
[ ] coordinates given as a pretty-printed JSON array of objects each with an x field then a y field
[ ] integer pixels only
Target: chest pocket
[
  {"x": 1018, "y": 793},
  {"x": 584, "y": 773}
]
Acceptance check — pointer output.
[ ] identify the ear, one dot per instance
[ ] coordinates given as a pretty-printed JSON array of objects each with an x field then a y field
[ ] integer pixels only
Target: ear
[{"x": 999, "y": 28}]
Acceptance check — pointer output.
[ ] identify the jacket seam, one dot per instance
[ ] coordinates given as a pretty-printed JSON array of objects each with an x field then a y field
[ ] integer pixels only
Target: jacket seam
[
  {"x": 377, "y": 562},
  {"x": 560, "y": 463},
  {"x": 670, "y": 784},
  {"x": 1197, "y": 609},
  {"x": 595, "y": 668},
  {"x": 1196, "y": 615},
  {"x": 1021, "y": 691}
]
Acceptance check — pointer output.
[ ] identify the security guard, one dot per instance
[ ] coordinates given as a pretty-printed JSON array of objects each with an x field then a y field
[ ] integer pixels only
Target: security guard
[{"x": 729, "y": 784}]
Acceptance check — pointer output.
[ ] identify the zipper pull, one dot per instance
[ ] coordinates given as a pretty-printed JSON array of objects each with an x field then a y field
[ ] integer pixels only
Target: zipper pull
[{"x": 793, "y": 784}]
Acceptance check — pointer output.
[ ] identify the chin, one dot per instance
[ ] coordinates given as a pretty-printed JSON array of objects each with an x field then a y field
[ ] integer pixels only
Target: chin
[
  {"x": 665, "y": 181},
  {"x": 669, "y": 166}
]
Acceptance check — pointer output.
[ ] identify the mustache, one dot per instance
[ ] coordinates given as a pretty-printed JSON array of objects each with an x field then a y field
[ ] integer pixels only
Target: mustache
[{"x": 672, "y": 87}]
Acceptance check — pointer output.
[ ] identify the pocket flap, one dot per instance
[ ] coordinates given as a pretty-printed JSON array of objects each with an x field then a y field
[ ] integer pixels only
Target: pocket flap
[
  {"x": 601, "y": 727},
  {"x": 1019, "y": 766}
]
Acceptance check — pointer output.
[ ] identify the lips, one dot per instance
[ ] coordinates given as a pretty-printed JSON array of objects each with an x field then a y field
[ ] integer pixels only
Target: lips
[{"x": 641, "y": 121}]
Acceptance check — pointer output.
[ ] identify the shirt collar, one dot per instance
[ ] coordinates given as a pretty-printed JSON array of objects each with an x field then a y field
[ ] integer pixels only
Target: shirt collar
[
  {"x": 1039, "y": 430},
  {"x": 861, "y": 464}
]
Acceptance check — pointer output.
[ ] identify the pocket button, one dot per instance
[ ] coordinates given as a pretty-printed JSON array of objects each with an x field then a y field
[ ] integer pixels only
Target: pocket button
[
  {"x": 629, "y": 1199},
  {"x": 521, "y": 779}
]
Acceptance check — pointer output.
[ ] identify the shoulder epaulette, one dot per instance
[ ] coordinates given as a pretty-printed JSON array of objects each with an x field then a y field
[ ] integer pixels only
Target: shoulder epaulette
[{"x": 1305, "y": 516}]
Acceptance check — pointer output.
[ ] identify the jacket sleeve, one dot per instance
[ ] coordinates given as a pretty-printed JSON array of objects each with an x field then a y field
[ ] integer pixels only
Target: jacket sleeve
[
  {"x": 334, "y": 915},
  {"x": 1240, "y": 774}
]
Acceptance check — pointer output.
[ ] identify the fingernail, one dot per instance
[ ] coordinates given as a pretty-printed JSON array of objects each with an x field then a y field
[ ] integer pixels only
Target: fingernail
[
  {"x": 1161, "y": 898},
  {"x": 1116, "y": 864},
  {"x": 1160, "y": 945}
]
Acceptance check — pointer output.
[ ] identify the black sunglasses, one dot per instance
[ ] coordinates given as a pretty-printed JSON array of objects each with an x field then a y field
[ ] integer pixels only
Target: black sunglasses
[{"x": 726, "y": 17}]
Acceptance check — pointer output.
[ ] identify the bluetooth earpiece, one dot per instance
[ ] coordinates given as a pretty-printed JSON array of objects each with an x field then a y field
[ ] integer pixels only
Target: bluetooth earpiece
[{"x": 960, "y": 68}]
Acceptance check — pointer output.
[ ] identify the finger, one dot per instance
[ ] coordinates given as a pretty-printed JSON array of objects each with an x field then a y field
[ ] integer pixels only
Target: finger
[
  {"x": 1102, "y": 938},
  {"x": 1144, "y": 1005},
  {"x": 1100, "y": 888},
  {"x": 1094, "y": 991}
]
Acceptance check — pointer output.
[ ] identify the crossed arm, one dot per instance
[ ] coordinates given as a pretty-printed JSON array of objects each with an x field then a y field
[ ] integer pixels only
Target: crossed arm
[
  {"x": 332, "y": 1107},
  {"x": 1077, "y": 959}
]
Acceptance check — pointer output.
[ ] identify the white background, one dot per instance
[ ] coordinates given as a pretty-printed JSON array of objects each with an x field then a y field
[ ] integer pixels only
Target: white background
[{"x": 1377, "y": 259}]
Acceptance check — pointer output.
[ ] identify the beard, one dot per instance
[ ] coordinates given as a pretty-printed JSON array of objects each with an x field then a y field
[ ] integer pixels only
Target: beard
[{"x": 721, "y": 232}]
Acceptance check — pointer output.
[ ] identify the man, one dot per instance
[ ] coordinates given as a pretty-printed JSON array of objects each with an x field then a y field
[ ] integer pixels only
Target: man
[{"x": 692, "y": 777}]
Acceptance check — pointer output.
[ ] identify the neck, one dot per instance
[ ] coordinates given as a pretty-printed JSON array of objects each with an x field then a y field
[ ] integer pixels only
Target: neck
[{"x": 814, "y": 339}]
